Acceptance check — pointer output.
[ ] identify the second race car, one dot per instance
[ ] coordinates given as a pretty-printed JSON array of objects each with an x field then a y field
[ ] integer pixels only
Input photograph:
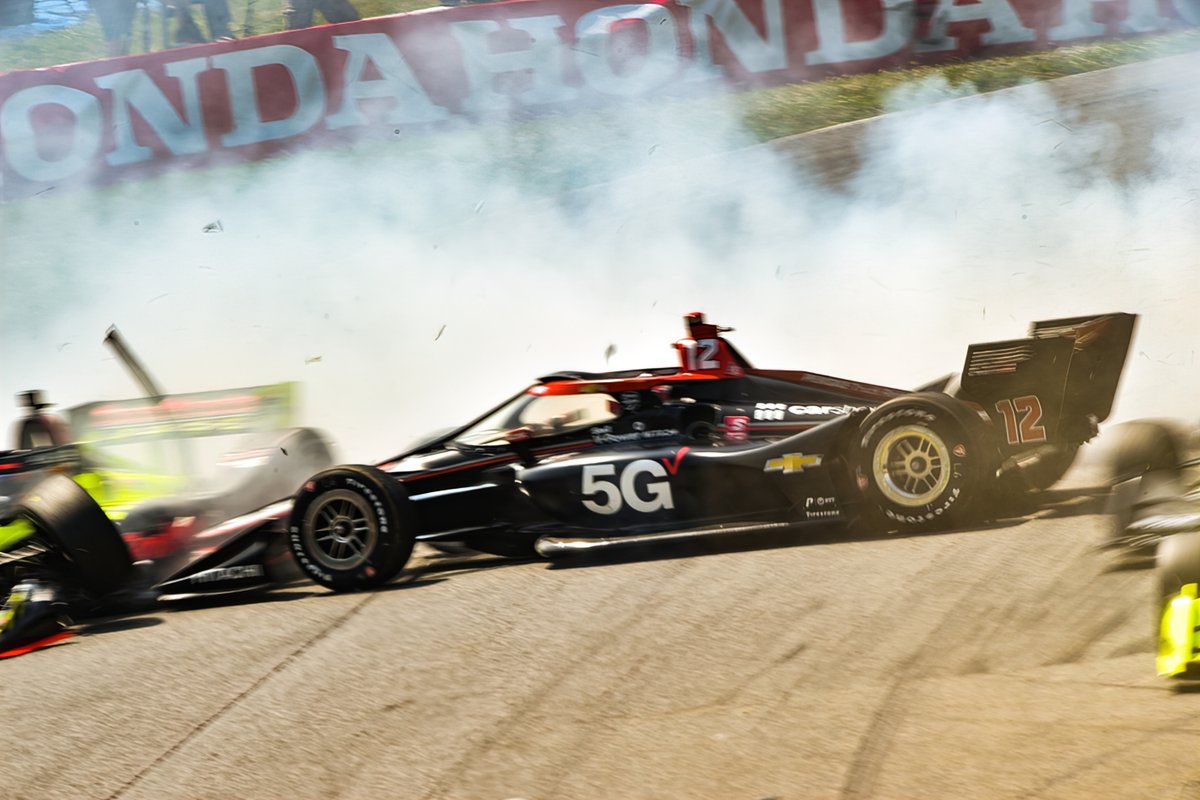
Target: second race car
[{"x": 87, "y": 494}]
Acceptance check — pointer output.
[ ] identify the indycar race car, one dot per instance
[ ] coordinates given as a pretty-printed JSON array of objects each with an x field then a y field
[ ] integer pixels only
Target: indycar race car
[
  {"x": 85, "y": 496},
  {"x": 580, "y": 460},
  {"x": 1155, "y": 513}
]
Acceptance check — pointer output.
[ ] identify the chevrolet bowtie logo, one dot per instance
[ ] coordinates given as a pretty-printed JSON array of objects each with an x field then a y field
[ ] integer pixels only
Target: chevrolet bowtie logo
[{"x": 792, "y": 462}]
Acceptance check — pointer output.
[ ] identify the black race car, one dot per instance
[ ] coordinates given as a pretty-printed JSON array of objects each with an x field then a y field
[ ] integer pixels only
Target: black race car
[{"x": 714, "y": 445}]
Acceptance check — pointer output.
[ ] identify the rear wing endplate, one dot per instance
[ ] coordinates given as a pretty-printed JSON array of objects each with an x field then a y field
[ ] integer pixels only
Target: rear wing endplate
[
  {"x": 1101, "y": 346},
  {"x": 1055, "y": 385}
]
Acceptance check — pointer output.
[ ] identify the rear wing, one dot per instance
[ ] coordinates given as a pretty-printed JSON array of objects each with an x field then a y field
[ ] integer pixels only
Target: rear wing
[
  {"x": 1055, "y": 385},
  {"x": 1101, "y": 345},
  {"x": 184, "y": 416}
]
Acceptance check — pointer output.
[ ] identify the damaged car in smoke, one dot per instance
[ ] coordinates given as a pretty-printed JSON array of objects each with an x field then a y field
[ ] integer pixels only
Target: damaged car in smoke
[
  {"x": 103, "y": 501},
  {"x": 710, "y": 446}
]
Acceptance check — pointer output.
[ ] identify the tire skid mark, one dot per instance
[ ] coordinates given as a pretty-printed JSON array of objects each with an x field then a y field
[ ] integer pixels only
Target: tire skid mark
[
  {"x": 279, "y": 667},
  {"x": 1105, "y": 757},
  {"x": 573, "y": 758},
  {"x": 1094, "y": 619},
  {"x": 1104, "y": 605},
  {"x": 617, "y": 629},
  {"x": 770, "y": 666},
  {"x": 569, "y": 763},
  {"x": 875, "y": 744},
  {"x": 862, "y": 773}
]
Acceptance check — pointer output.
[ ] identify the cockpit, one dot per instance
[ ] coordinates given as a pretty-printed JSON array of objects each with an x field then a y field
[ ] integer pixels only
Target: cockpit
[{"x": 538, "y": 416}]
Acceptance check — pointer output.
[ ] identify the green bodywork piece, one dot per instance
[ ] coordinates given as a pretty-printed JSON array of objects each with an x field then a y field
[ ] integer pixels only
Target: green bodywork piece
[
  {"x": 15, "y": 532},
  {"x": 130, "y": 451},
  {"x": 115, "y": 492}
]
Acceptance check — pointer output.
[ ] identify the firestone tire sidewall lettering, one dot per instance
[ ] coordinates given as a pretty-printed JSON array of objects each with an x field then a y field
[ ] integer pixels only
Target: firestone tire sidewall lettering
[
  {"x": 380, "y": 563},
  {"x": 952, "y": 500}
]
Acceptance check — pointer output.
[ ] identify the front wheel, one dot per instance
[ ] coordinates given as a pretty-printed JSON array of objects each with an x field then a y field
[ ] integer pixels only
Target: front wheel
[
  {"x": 919, "y": 466},
  {"x": 67, "y": 517},
  {"x": 351, "y": 528}
]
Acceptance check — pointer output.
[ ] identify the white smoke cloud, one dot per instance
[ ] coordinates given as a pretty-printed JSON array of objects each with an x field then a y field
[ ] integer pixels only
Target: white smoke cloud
[{"x": 432, "y": 277}]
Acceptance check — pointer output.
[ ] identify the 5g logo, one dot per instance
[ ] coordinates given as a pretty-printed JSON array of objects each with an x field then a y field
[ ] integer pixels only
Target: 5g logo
[{"x": 605, "y": 495}]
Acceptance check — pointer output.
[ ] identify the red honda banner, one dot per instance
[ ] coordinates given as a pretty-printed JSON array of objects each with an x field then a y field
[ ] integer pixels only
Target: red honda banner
[{"x": 104, "y": 120}]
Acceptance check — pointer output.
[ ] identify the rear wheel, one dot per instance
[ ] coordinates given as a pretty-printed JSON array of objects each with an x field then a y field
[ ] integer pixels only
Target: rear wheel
[
  {"x": 919, "y": 465},
  {"x": 70, "y": 520},
  {"x": 351, "y": 528}
]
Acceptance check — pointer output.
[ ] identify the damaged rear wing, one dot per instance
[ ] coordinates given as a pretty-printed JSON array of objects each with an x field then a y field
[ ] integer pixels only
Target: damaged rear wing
[
  {"x": 1055, "y": 385},
  {"x": 183, "y": 416}
]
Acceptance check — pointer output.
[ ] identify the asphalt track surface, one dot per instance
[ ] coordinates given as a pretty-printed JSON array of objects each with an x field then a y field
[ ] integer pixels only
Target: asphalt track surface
[{"x": 1007, "y": 661}]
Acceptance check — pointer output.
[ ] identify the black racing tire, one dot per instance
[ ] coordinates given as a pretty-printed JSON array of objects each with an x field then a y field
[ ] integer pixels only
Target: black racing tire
[
  {"x": 1143, "y": 446},
  {"x": 70, "y": 520},
  {"x": 920, "y": 462},
  {"x": 351, "y": 528}
]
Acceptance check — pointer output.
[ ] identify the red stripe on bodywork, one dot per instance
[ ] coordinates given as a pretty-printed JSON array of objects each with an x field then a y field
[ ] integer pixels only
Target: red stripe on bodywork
[
  {"x": 610, "y": 385},
  {"x": 38, "y": 645},
  {"x": 487, "y": 462}
]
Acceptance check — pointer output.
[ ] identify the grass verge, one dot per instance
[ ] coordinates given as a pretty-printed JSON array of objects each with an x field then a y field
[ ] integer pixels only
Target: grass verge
[{"x": 786, "y": 110}]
